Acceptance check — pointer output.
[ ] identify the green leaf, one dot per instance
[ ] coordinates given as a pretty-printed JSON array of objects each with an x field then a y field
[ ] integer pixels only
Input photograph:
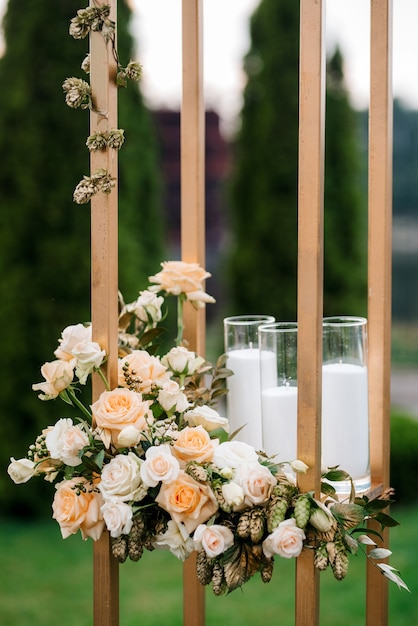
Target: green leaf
[
  {"x": 377, "y": 505},
  {"x": 336, "y": 475},
  {"x": 385, "y": 520},
  {"x": 327, "y": 489}
]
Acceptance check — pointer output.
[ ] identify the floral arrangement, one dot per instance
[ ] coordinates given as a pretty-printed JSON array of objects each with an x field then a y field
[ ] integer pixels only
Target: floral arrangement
[{"x": 151, "y": 461}]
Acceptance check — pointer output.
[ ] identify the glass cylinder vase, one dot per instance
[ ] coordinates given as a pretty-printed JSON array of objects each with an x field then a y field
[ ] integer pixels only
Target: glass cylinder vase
[
  {"x": 278, "y": 380},
  {"x": 243, "y": 398},
  {"x": 345, "y": 410}
]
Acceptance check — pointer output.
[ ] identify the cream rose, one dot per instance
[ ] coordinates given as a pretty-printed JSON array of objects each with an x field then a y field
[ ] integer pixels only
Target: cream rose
[
  {"x": 147, "y": 370},
  {"x": 117, "y": 517},
  {"x": 58, "y": 376},
  {"x": 128, "y": 437},
  {"x": 172, "y": 398},
  {"x": 256, "y": 482},
  {"x": 187, "y": 501},
  {"x": 181, "y": 361},
  {"x": 121, "y": 479},
  {"x": 177, "y": 539},
  {"x": 194, "y": 444},
  {"x": 76, "y": 506},
  {"x": 178, "y": 277},
  {"x": 159, "y": 466},
  {"x": 233, "y": 494},
  {"x": 207, "y": 417},
  {"x": 70, "y": 337},
  {"x": 21, "y": 470},
  {"x": 116, "y": 409},
  {"x": 213, "y": 539},
  {"x": 147, "y": 307},
  {"x": 286, "y": 540},
  {"x": 65, "y": 441},
  {"x": 89, "y": 356},
  {"x": 234, "y": 453}
]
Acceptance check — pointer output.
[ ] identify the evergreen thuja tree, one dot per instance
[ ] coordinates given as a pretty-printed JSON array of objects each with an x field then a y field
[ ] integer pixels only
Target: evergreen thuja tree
[
  {"x": 262, "y": 264},
  {"x": 45, "y": 236}
]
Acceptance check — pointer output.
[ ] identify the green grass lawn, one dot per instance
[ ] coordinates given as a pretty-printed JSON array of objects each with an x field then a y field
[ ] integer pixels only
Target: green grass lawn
[{"x": 46, "y": 581}]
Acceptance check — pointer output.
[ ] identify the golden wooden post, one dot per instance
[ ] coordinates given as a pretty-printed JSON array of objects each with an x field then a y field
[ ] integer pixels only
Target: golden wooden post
[
  {"x": 193, "y": 227},
  {"x": 379, "y": 274},
  {"x": 104, "y": 286},
  {"x": 310, "y": 280}
]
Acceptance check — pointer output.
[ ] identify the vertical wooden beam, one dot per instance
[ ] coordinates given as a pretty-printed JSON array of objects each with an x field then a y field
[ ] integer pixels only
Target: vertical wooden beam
[
  {"x": 310, "y": 279},
  {"x": 104, "y": 286},
  {"x": 193, "y": 227},
  {"x": 379, "y": 272}
]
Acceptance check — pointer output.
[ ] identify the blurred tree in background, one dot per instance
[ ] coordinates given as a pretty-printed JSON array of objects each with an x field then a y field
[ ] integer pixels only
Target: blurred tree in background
[
  {"x": 262, "y": 267},
  {"x": 44, "y": 236}
]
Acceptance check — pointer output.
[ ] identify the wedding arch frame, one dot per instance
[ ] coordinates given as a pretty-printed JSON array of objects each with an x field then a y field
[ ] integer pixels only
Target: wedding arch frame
[{"x": 104, "y": 269}]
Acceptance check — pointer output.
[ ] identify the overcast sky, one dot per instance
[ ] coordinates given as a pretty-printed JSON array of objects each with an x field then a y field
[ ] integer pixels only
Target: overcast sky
[{"x": 157, "y": 29}]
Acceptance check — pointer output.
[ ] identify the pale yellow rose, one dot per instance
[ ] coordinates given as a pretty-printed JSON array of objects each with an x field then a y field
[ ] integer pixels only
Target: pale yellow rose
[
  {"x": 117, "y": 409},
  {"x": 58, "y": 376},
  {"x": 76, "y": 506},
  {"x": 146, "y": 370},
  {"x": 194, "y": 444},
  {"x": 178, "y": 277},
  {"x": 286, "y": 540},
  {"x": 187, "y": 501}
]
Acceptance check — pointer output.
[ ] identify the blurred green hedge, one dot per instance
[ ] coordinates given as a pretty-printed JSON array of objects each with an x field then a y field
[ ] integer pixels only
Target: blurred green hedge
[{"x": 404, "y": 458}]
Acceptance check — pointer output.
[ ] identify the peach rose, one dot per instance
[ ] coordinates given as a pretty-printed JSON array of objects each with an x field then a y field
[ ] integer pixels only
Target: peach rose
[
  {"x": 76, "y": 506},
  {"x": 116, "y": 409},
  {"x": 178, "y": 277},
  {"x": 286, "y": 540},
  {"x": 58, "y": 376},
  {"x": 144, "y": 368},
  {"x": 187, "y": 501},
  {"x": 193, "y": 443}
]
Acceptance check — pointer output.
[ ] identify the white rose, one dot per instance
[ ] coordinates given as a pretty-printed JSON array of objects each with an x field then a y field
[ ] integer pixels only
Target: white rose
[
  {"x": 65, "y": 441},
  {"x": 286, "y": 540},
  {"x": 234, "y": 453},
  {"x": 256, "y": 481},
  {"x": 181, "y": 361},
  {"x": 89, "y": 357},
  {"x": 159, "y": 466},
  {"x": 177, "y": 539},
  {"x": 147, "y": 307},
  {"x": 129, "y": 437},
  {"x": 299, "y": 466},
  {"x": 117, "y": 517},
  {"x": 121, "y": 479},
  {"x": 172, "y": 398},
  {"x": 213, "y": 539},
  {"x": 21, "y": 470},
  {"x": 207, "y": 417},
  {"x": 70, "y": 337},
  {"x": 233, "y": 494},
  {"x": 58, "y": 376}
]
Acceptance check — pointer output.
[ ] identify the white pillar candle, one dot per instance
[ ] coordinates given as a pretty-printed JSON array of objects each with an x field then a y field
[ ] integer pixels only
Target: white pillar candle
[
  {"x": 243, "y": 398},
  {"x": 345, "y": 423},
  {"x": 279, "y": 407}
]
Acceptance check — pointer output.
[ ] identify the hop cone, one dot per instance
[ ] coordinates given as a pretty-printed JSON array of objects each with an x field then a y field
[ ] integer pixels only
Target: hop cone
[
  {"x": 340, "y": 564},
  {"x": 321, "y": 557},
  {"x": 196, "y": 471},
  {"x": 204, "y": 568},
  {"x": 218, "y": 579},
  {"x": 302, "y": 511},
  {"x": 276, "y": 512},
  {"x": 266, "y": 571},
  {"x": 257, "y": 519},
  {"x": 135, "y": 549},
  {"x": 120, "y": 548},
  {"x": 138, "y": 528},
  {"x": 244, "y": 525}
]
